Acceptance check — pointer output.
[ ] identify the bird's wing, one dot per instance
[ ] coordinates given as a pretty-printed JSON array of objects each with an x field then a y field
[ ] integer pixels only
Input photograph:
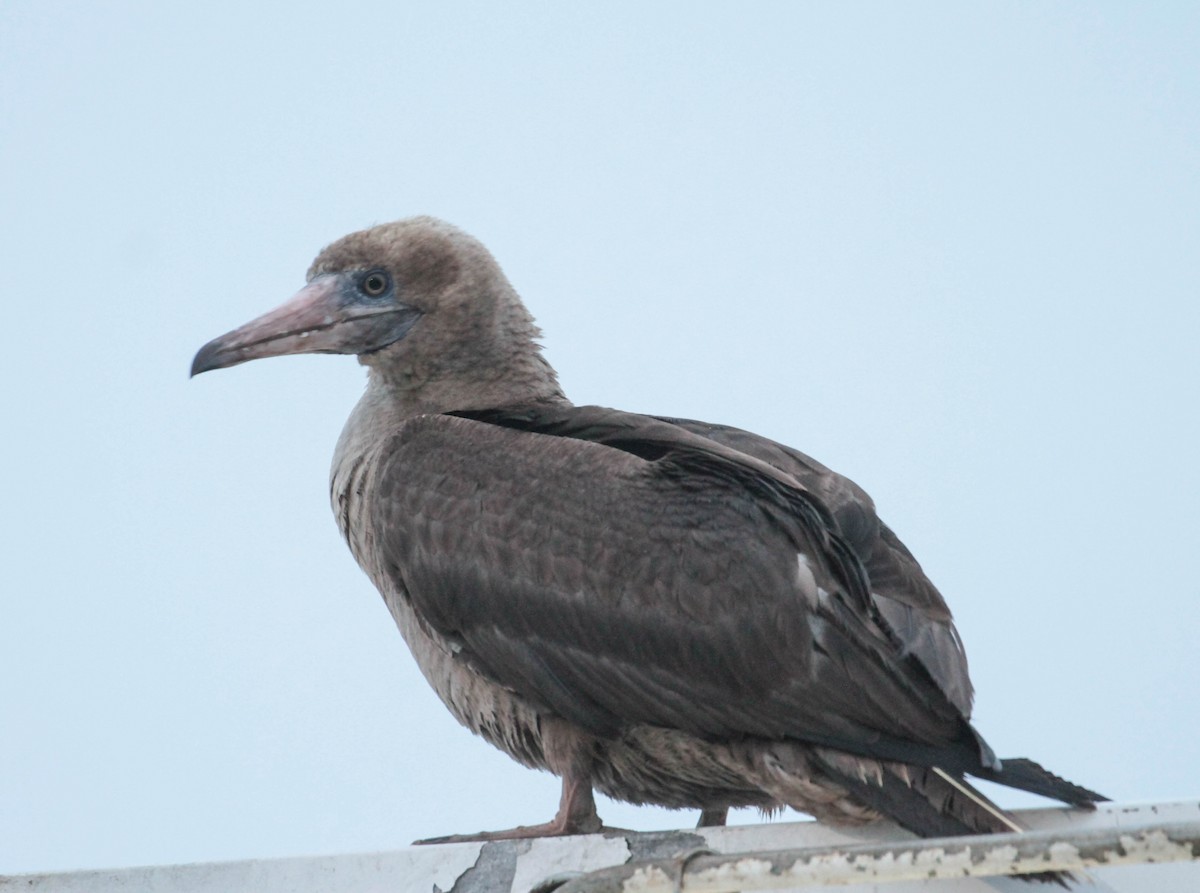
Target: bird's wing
[
  {"x": 904, "y": 595},
  {"x": 614, "y": 569}
]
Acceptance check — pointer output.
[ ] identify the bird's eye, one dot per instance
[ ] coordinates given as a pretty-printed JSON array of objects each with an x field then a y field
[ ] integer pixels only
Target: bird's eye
[{"x": 375, "y": 283}]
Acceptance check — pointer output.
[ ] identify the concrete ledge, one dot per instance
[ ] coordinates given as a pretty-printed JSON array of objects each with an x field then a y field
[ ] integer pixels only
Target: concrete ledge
[{"x": 520, "y": 866}]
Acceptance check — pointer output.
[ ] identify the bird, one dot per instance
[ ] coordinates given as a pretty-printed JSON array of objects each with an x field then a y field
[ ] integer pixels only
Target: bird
[{"x": 667, "y": 611}]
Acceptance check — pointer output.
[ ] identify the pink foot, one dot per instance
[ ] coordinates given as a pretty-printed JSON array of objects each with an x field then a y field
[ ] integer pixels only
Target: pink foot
[{"x": 554, "y": 828}]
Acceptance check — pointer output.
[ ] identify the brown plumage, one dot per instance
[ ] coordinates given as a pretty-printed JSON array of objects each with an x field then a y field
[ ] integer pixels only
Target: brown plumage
[{"x": 668, "y": 611}]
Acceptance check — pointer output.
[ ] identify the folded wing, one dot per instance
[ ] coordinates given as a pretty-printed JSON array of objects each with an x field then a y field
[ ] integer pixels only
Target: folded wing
[{"x": 620, "y": 570}]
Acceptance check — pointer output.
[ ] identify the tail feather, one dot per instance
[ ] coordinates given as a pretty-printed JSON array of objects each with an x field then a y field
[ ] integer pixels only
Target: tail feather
[
  {"x": 926, "y": 801},
  {"x": 1026, "y": 775},
  {"x": 974, "y": 796},
  {"x": 932, "y": 802}
]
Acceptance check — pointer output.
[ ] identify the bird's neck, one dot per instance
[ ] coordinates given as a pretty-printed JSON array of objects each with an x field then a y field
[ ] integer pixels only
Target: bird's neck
[{"x": 424, "y": 385}]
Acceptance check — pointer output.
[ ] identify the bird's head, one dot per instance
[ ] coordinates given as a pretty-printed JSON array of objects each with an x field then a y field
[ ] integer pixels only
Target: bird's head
[{"x": 420, "y": 302}]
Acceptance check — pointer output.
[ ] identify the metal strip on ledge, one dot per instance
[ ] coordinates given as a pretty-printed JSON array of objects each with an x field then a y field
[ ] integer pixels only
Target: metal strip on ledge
[
  {"x": 1158, "y": 845},
  {"x": 996, "y": 855}
]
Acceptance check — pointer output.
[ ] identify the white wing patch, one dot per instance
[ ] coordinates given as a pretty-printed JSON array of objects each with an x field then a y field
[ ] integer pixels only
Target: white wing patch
[{"x": 806, "y": 582}]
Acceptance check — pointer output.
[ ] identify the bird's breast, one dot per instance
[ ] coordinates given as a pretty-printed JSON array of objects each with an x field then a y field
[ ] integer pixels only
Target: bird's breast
[{"x": 487, "y": 709}]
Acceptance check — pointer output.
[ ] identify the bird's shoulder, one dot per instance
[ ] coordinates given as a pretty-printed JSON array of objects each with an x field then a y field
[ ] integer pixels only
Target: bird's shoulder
[{"x": 554, "y": 478}]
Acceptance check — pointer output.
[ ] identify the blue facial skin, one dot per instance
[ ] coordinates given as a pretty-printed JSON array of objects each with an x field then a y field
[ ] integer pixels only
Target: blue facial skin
[{"x": 374, "y": 289}]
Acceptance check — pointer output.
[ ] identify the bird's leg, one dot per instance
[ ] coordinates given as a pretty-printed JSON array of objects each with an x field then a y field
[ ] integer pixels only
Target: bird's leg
[
  {"x": 576, "y": 815},
  {"x": 577, "y": 808},
  {"x": 713, "y": 817},
  {"x": 570, "y": 753}
]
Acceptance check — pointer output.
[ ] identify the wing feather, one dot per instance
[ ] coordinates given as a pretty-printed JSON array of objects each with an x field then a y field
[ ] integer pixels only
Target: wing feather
[
  {"x": 657, "y": 584},
  {"x": 908, "y": 600}
]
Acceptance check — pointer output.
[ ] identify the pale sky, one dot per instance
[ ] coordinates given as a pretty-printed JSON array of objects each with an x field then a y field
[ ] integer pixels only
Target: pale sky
[{"x": 951, "y": 250}]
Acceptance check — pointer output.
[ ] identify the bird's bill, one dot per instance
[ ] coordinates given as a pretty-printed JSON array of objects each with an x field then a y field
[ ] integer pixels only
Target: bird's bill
[{"x": 323, "y": 317}]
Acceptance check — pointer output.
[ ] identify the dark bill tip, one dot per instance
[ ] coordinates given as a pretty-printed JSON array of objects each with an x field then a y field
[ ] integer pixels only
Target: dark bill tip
[{"x": 207, "y": 358}]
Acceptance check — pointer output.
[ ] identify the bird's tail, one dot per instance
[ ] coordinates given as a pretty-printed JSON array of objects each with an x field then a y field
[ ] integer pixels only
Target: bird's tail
[
  {"x": 933, "y": 802},
  {"x": 1026, "y": 775},
  {"x": 927, "y": 801}
]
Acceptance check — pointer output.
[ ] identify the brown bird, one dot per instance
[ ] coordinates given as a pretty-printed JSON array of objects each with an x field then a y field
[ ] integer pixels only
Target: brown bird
[{"x": 664, "y": 610}]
